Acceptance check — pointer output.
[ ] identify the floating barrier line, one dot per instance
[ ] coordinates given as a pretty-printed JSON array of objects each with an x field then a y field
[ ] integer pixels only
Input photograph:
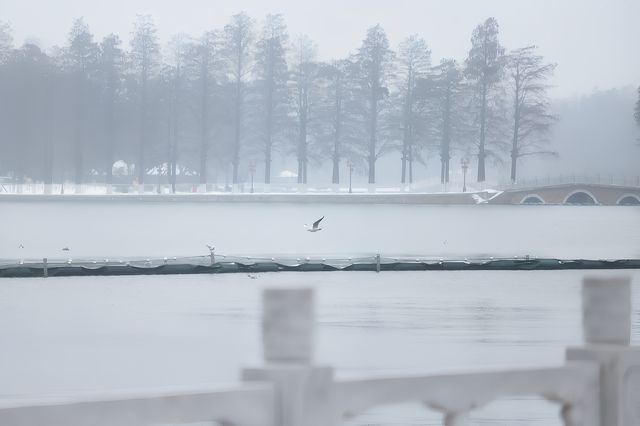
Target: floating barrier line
[{"x": 222, "y": 264}]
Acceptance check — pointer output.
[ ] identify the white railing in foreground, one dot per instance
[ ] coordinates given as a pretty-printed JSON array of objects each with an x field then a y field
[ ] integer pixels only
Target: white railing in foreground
[
  {"x": 244, "y": 406},
  {"x": 594, "y": 388}
]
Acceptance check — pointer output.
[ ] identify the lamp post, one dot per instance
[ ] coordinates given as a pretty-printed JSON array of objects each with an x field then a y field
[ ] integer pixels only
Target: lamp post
[
  {"x": 350, "y": 166},
  {"x": 252, "y": 170},
  {"x": 464, "y": 163}
]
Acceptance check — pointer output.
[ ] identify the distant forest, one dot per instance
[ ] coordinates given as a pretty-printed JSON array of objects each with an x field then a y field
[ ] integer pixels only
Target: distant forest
[{"x": 216, "y": 107}]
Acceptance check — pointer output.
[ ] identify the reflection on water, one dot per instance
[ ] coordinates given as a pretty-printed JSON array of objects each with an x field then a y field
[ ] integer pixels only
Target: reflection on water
[{"x": 74, "y": 334}]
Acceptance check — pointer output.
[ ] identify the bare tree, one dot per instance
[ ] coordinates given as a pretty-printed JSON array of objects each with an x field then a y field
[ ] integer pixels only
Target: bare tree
[
  {"x": 338, "y": 104},
  {"x": 238, "y": 35},
  {"x": 531, "y": 117},
  {"x": 448, "y": 91},
  {"x": 304, "y": 74},
  {"x": 145, "y": 55},
  {"x": 414, "y": 58},
  {"x": 484, "y": 67}
]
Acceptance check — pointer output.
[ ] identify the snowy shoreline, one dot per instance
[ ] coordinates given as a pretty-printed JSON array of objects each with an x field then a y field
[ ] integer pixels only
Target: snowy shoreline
[{"x": 460, "y": 198}]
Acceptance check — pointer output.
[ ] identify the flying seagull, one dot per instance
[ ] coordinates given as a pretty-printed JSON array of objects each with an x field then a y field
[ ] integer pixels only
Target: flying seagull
[
  {"x": 65, "y": 248},
  {"x": 316, "y": 226},
  {"x": 21, "y": 246}
]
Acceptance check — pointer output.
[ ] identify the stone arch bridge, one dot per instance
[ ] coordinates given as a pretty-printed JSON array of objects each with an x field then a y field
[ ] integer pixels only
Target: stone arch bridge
[{"x": 571, "y": 193}]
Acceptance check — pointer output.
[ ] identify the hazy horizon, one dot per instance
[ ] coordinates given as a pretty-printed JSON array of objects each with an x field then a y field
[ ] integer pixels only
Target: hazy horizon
[{"x": 588, "y": 60}]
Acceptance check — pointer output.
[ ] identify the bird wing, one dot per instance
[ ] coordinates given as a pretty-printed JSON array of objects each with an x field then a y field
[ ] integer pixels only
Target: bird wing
[{"x": 317, "y": 222}]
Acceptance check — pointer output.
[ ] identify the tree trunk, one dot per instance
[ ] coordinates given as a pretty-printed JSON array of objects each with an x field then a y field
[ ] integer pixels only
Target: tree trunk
[
  {"x": 373, "y": 127},
  {"x": 481, "y": 150},
  {"x": 143, "y": 129},
  {"x": 302, "y": 150},
  {"x": 238, "y": 125},
  {"x": 204, "y": 127},
  {"x": 335, "y": 178},
  {"x": 516, "y": 132},
  {"x": 110, "y": 139},
  {"x": 269, "y": 131},
  {"x": 48, "y": 139},
  {"x": 79, "y": 132}
]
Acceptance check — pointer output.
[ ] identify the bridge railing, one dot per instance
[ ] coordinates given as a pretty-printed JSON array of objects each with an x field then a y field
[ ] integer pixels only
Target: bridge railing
[
  {"x": 597, "y": 386},
  {"x": 596, "y": 179}
]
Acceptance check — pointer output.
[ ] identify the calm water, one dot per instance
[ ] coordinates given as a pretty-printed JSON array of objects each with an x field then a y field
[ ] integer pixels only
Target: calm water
[{"x": 76, "y": 334}]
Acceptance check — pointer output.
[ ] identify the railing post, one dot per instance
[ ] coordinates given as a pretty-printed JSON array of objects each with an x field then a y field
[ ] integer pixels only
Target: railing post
[
  {"x": 45, "y": 267},
  {"x": 456, "y": 419},
  {"x": 607, "y": 332},
  {"x": 303, "y": 390}
]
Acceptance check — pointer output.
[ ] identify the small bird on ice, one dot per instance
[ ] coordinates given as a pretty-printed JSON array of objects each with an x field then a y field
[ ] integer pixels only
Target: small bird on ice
[{"x": 316, "y": 226}]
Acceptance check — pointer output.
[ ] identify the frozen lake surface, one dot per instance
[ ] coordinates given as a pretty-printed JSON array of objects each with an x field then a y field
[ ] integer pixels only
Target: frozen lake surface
[
  {"x": 65, "y": 335},
  {"x": 157, "y": 229}
]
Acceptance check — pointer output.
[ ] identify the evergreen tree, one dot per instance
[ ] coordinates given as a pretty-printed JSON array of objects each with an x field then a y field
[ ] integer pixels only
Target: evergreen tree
[
  {"x": 6, "y": 42},
  {"x": 272, "y": 75},
  {"x": 145, "y": 57},
  {"x": 414, "y": 58},
  {"x": 238, "y": 36},
  {"x": 205, "y": 62},
  {"x": 484, "y": 68},
  {"x": 375, "y": 61},
  {"x": 82, "y": 54},
  {"x": 111, "y": 63}
]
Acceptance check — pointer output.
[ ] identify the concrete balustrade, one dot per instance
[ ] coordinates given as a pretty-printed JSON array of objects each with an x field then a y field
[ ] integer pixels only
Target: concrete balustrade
[
  {"x": 243, "y": 406},
  {"x": 599, "y": 385},
  {"x": 607, "y": 327}
]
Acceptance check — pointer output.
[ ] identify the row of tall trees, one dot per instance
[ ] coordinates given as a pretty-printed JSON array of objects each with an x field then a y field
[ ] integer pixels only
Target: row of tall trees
[{"x": 231, "y": 98}]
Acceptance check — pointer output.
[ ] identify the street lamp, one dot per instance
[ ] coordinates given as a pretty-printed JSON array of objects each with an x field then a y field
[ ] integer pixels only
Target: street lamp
[
  {"x": 252, "y": 169},
  {"x": 350, "y": 166},
  {"x": 464, "y": 163}
]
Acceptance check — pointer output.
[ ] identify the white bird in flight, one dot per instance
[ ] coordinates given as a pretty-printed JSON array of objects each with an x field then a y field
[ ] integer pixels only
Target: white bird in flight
[{"x": 316, "y": 226}]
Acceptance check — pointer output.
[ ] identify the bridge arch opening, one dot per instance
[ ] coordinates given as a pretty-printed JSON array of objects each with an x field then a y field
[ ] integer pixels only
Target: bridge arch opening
[
  {"x": 581, "y": 197},
  {"x": 629, "y": 200},
  {"x": 532, "y": 199}
]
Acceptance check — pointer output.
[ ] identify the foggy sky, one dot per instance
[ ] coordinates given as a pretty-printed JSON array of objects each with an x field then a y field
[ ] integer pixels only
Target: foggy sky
[{"x": 594, "y": 42}]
